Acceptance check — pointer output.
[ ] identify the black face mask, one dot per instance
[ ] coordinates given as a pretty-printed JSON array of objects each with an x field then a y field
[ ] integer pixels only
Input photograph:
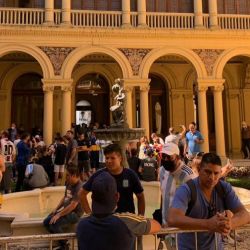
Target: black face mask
[{"x": 168, "y": 165}]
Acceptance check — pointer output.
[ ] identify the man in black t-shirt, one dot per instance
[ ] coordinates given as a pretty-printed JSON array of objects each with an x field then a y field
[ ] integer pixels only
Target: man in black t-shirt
[
  {"x": 149, "y": 167},
  {"x": 108, "y": 231},
  {"x": 126, "y": 179},
  {"x": 83, "y": 156}
]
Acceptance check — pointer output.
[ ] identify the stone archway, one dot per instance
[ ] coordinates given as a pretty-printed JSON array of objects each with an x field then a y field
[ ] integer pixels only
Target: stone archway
[{"x": 79, "y": 53}]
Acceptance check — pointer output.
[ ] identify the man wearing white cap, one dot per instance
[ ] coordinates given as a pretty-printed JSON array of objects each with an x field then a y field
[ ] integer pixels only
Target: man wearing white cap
[{"x": 173, "y": 172}]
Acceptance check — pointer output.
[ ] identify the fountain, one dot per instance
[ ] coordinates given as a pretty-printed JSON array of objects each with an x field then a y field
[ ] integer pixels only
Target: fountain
[{"x": 119, "y": 131}]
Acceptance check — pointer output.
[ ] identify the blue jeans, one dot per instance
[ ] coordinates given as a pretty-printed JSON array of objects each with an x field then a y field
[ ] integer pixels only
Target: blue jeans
[{"x": 61, "y": 223}]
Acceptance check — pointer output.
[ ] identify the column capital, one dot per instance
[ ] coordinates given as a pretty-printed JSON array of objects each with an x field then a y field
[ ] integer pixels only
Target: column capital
[
  {"x": 128, "y": 88},
  {"x": 202, "y": 88},
  {"x": 144, "y": 88},
  {"x": 218, "y": 88},
  {"x": 48, "y": 88},
  {"x": 65, "y": 88}
]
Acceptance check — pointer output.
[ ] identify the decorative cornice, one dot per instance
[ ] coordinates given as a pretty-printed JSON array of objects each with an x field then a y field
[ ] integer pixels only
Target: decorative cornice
[
  {"x": 57, "y": 56},
  {"x": 135, "y": 57},
  {"x": 209, "y": 57}
]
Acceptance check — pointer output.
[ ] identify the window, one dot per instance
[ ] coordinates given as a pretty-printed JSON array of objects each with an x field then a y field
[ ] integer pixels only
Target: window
[
  {"x": 233, "y": 6},
  {"x": 174, "y": 6},
  {"x": 97, "y": 4}
]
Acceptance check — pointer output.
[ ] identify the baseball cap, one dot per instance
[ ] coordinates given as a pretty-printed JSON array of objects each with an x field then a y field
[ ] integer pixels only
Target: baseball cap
[
  {"x": 104, "y": 191},
  {"x": 170, "y": 149}
]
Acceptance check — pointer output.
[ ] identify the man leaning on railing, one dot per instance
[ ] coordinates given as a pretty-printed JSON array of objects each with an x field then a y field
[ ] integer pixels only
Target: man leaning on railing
[{"x": 215, "y": 208}]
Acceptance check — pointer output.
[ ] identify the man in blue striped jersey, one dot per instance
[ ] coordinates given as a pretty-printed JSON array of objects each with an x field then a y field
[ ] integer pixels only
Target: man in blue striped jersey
[{"x": 173, "y": 172}]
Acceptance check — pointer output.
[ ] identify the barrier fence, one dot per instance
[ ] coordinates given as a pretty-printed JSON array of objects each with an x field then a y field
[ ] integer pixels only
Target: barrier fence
[{"x": 47, "y": 241}]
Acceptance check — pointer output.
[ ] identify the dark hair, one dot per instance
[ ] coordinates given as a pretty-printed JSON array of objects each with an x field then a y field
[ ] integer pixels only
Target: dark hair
[
  {"x": 133, "y": 151},
  {"x": 72, "y": 169},
  {"x": 113, "y": 148},
  {"x": 24, "y": 135},
  {"x": 70, "y": 131},
  {"x": 210, "y": 158},
  {"x": 5, "y": 134}
]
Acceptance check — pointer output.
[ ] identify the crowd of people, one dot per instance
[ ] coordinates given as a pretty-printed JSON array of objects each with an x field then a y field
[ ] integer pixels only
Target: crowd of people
[
  {"x": 194, "y": 193},
  {"x": 27, "y": 157}
]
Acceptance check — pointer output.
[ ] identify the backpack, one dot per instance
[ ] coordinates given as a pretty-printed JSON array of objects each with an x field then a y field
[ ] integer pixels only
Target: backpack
[{"x": 219, "y": 189}]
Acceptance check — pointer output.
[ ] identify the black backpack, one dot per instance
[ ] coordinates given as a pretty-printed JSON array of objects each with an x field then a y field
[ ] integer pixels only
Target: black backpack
[{"x": 219, "y": 189}]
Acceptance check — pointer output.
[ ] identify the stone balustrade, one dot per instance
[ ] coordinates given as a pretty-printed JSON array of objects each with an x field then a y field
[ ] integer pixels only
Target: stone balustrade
[
  {"x": 113, "y": 19},
  {"x": 170, "y": 20}
]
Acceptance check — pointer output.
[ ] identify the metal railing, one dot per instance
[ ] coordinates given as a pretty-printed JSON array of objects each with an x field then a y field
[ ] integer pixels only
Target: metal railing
[{"x": 47, "y": 240}]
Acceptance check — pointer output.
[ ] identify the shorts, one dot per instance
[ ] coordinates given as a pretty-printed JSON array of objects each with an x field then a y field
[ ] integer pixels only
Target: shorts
[
  {"x": 59, "y": 168},
  {"x": 84, "y": 166}
]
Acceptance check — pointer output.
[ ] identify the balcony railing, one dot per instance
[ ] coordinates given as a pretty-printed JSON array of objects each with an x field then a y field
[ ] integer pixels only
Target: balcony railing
[
  {"x": 234, "y": 22},
  {"x": 113, "y": 19},
  {"x": 21, "y": 16},
  {"x": 170, "y": 20},
  {"x": 88, "y": 18}
]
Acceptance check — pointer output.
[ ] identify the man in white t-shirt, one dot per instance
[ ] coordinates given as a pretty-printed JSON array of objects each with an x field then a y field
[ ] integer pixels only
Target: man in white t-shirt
[
  {"x": 175, "y": 137},
  {"x": 8, "y": 150}
]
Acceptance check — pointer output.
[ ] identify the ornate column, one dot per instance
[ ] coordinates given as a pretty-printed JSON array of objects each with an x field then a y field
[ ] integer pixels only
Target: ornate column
[
  {"x": 202, "y": 111},
  {"x": 129, "y": 105},
  {"x": 126, "y": 13},
  {"x": 141, "y": 9},
  {"x": 66, "y": 8},
  {"x": 219, "y": 121},
  {"x": 48, "y": 114},
  {"x": 198, "y": 19},
  {"x": 66, "y": 108},
  {"x": 213, "y": 14},
  {"x": 144, "y": 111},
  {"x": 49, "y": 12}
]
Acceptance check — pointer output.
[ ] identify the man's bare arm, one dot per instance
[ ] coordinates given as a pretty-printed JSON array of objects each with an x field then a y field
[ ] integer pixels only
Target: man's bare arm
[
  {"x": 82, "y": 194},
  {"x": 240, "y": 217},
  {"x": 141, "y": 203},
  {"x": 154, "y": 226},
  {"x": 177, "y": 218}
]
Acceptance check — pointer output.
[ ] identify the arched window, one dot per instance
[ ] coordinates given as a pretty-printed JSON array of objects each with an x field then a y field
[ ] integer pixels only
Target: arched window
[{"x": 27, "y": 101}]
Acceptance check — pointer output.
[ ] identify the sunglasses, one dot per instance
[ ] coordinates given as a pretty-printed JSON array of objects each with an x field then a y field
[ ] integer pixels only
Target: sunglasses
[{"x": 165, "y": 156}]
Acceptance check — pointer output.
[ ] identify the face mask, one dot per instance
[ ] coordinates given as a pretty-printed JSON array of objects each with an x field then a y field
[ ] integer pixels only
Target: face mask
[{"x": 168, "y": 165}]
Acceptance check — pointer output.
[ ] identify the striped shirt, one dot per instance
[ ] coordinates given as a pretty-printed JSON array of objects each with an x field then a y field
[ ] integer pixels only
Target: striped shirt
[{"x": 170, "y": 181}]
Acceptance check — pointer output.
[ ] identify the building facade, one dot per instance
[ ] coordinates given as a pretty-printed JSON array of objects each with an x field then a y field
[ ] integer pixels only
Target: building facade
[{"x": 180, "y": 61}]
